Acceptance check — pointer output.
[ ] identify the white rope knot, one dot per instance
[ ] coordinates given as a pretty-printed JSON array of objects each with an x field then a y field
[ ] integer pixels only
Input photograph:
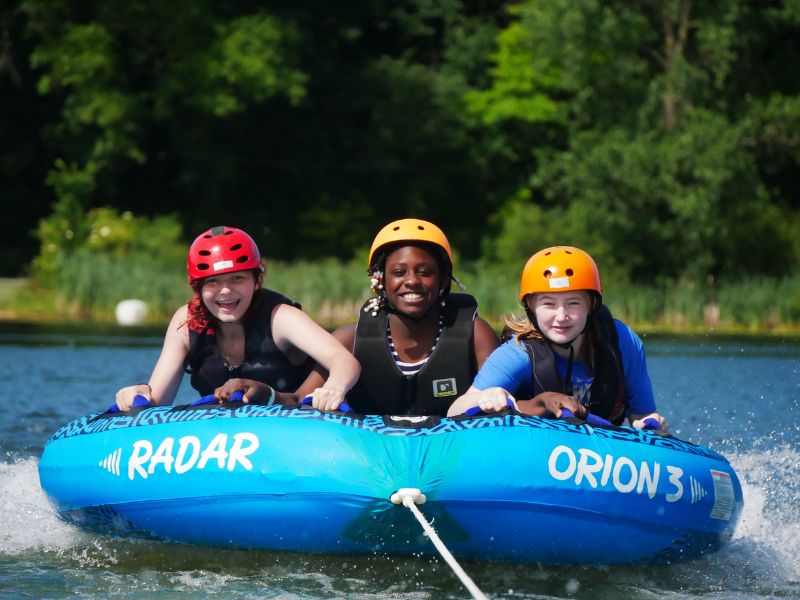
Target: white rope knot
[{"x": 411, "y": 494}]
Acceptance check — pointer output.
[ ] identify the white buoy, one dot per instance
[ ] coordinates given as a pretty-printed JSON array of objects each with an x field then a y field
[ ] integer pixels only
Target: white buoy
[{"x": 131, "y": 312}]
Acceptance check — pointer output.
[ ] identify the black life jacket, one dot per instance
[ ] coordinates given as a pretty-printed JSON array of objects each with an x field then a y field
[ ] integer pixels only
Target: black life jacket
[
  {"x": 263, "y": 361},
  {"x": 607, "y": 394},
  {"x": 382, "y": 388}
]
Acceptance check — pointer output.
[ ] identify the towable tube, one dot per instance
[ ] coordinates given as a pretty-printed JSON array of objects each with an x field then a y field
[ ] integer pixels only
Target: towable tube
[{"x": 501, "y": 487}]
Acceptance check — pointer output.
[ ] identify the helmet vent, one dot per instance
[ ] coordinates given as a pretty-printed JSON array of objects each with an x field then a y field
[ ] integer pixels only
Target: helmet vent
[
  {"x": 569, "y": 272},
  {"x": 547, "y": 273},
  {"x": 210, "y": 253},
  {"x": 420, "y": 227}
]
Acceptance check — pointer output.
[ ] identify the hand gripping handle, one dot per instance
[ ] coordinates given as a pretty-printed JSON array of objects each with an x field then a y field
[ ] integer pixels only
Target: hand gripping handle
[
  {"x": 649, "y": 423},
  {"x": 475, "y": 411},
  {"x": 138, "y": 401},
  {"x": 343, "y": 407},
  {"x": 210, "y": 399}
]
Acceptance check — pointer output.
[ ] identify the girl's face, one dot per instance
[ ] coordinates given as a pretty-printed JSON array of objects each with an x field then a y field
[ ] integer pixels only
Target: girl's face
[
  {"x": 229, "y": 295},
  {"x": 412, "y": 280},
  {"x": 561, "y": 315}
]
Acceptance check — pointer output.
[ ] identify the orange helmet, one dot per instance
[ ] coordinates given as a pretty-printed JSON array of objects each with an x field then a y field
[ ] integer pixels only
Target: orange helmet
[
  {"x": 559, "y": 269},
  {"x": 410, "y": 230}
]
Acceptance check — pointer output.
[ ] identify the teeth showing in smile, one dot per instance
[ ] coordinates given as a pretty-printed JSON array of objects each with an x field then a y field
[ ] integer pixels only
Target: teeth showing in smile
[{"x": 411, "y": 296}]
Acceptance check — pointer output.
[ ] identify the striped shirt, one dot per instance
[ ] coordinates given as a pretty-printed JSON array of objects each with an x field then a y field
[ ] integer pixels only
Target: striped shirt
[{"x": 408, "y": 368}]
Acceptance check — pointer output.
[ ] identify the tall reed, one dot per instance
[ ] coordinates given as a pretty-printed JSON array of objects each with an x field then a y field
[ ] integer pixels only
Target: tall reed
[{"x": 89, "y": 287}]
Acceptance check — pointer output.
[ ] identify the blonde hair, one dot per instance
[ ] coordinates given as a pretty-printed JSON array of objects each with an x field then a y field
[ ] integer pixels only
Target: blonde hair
[{"x": 519, "y": 327}]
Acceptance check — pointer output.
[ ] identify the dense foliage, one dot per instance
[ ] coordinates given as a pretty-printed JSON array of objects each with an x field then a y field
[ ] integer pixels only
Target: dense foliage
[{"x": 661, "y": 135}]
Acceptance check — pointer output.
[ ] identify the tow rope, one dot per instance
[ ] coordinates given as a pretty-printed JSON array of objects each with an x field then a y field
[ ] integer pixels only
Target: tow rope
[{"x": 410, "y": 497}]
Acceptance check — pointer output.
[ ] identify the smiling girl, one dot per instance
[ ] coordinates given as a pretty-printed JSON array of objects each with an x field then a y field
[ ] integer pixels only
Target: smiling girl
[
  {"x": 419, "y": 345},
  {"x": 235, "y": 335},
  {"x": 567, "y": 352}
]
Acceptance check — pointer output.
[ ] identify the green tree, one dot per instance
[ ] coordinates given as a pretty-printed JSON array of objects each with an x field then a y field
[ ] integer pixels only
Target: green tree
[
  {"x": 654, "y": 157},
  {"x": 312, "y": 125}
]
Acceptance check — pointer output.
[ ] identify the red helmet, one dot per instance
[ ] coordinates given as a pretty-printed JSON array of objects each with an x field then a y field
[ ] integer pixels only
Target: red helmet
[{"x": 222, "y": 250}]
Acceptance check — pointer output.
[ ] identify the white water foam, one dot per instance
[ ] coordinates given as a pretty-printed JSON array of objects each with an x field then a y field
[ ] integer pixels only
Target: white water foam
[
  {"x": 760, "y": 560},
  {"x": 771, "y": 517},
  {"x": 29, "y": 521}
]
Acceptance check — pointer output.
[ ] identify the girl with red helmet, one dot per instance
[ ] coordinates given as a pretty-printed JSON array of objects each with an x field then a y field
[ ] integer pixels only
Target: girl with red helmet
[
  {"x": 419, "y": 345},
  {"x": 235, "y": 335},
  {"x": 567, "y": 352}
]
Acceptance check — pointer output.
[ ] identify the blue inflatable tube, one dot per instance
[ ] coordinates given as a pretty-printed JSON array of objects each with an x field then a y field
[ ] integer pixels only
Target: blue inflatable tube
[{"x": 502, "y": 487}]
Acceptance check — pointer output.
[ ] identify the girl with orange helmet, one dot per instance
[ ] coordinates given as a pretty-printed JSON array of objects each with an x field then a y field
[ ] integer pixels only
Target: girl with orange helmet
[
  {"x": 567, "y": 352},
  {"x": 235, "y": 335},
  {"x": 419, "y": 345}
]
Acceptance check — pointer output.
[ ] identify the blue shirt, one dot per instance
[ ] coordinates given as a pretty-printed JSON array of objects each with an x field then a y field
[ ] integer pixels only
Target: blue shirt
[{"x": 509, "y": 367}]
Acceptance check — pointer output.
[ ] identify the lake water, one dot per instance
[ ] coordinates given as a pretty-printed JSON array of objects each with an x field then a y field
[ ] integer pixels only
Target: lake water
[{"x": 737, "y": 397}]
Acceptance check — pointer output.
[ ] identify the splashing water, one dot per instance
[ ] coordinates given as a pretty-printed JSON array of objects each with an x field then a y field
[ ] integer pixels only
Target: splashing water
[{"x": 41, "y": 556}]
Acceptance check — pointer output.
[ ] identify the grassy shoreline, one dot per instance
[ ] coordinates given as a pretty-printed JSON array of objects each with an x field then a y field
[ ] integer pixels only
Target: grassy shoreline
[{"x": 333, "y": 292}]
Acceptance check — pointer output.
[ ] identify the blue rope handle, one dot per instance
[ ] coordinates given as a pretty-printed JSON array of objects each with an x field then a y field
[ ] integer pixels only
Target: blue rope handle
[
  {"x": 343, "y": 407},
  {"x": 590, "y": 418},
  {"x": 138, "y": 401},
  {"x": 210, "y": 399},
  {"x": 649, "y": 423},
  {"x": 475, "y": 411}
]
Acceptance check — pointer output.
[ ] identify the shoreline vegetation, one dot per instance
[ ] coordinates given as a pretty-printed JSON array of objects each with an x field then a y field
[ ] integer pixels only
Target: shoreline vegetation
[{"x": 332, "y": 293}]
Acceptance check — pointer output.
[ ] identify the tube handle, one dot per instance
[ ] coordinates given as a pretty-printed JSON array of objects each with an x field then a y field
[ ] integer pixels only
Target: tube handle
[
  {"x": 343, "y": 407},
  {"x": 474, "y": 411},
  {"x": 138, "y": 402}
]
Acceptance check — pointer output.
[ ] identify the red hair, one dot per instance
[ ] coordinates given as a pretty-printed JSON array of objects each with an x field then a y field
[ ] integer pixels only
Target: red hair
[{"x": 198, "y": 315}]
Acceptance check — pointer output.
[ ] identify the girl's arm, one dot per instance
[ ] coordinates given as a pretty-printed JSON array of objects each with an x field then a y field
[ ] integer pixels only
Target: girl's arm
[
  {"x": 168, "y": 372},
  {"x": 484, "y": 340},
  {"x": 346, "y": 334},
  {"x": 498, "y": 378},
  {"x": 642, "y": 403},
  {"x": 292, "y": 327}
]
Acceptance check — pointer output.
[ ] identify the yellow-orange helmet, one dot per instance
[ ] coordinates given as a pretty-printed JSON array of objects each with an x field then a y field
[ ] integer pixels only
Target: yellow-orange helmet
[
  {"x": 410, "y": 230},
  {"x": 559, "y": 269}
]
